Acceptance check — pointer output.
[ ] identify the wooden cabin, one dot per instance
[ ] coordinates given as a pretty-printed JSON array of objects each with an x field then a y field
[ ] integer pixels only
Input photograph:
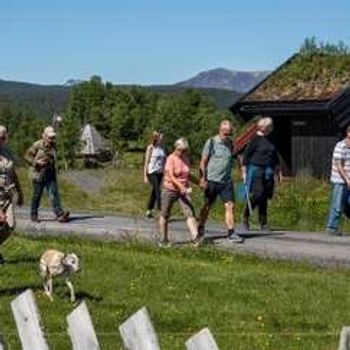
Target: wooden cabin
[{"x": 308, "y": 98}]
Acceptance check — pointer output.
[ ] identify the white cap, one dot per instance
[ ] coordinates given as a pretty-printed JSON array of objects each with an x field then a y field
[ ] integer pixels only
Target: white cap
[
  {"x": 3, "y": 131},
  {"x": 49, "y": 131}
]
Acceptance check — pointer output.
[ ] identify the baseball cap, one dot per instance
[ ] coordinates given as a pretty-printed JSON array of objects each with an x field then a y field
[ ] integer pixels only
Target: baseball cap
[{"x": 49, "y": 131}]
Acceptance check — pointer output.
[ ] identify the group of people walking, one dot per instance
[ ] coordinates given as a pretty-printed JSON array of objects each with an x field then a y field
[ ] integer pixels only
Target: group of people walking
[
  {"x": 41, "y": 157},
  {"x": 170, "y": 179}
]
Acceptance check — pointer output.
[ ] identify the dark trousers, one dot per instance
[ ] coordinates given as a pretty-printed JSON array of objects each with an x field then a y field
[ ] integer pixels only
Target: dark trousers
[
  {"x": 155, "y": 181},
  {"x": 261, "y": 190},
  {"x": 52, "y": 188}
]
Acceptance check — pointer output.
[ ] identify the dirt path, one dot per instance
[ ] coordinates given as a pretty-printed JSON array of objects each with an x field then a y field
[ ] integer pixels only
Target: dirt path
[{"x": 316, "y": 248}]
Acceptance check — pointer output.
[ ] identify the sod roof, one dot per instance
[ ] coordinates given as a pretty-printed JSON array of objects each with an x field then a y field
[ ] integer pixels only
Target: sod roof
[{"x": 305, "y": 77}]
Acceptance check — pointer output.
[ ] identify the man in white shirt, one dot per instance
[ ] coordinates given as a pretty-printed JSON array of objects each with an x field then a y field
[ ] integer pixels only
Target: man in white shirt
[{"x": 340, "y": 180}]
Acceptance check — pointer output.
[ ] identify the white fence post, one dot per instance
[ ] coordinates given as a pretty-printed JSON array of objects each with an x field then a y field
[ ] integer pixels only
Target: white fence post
[
  {"x": 81, "y": 329},
  {"x": 203, "y": 340},
  {"x": 138, "y": 333},
  {"x": 28, "y": 322},
  {"x": 344, "y": 342}
]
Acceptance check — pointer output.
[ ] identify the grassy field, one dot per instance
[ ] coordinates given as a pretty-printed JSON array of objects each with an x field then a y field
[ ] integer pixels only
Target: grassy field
[
  {"x": 300, "y": 204},
  {"x": 247, "y": 302}
]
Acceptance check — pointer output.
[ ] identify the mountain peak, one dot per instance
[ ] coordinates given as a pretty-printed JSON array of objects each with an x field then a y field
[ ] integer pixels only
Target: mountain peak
[{"x": 223, "y": 78}]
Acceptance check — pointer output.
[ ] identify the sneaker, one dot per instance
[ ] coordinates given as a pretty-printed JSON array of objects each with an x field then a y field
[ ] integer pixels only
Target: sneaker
[
  {"x": 245, "y": 227},
  {"x": 34, "y": 218},
  {"x": 333, "y": 232},
  {"x": 201, "y": 232},
  {"x": 235, "y": 238},
  {"x": 265, "y": 227},
  {"x": 63, "y": 217},
  {"x": 149, "y": 215},
  {"x": 164, "y": 244}
]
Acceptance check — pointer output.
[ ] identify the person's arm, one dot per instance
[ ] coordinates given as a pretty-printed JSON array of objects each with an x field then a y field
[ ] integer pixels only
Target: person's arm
[
  {"x": 20, "y": 198},
  {"x": 170, "y": 171},
  {"x": 246, "y": 158},
  {"x": 147, "y": 159},
  {"x": 203, "y": 164},
  {"x": 342, "y": 172},
  {"x": 30, "y": 157}
]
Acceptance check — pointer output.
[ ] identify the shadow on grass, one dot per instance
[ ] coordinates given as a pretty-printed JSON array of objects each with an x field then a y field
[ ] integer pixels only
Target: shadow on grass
[
  {"x": 14, "y": 291},
  {"x": 81, "y": 295},
  {"x": 22, "y": 260}
]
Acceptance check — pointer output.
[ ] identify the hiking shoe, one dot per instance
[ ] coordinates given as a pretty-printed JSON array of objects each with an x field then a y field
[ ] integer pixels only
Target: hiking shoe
[
  {"x": 245, "y": 227},
  {"x": 164, "y": 244},
  {"x": 201, "y": 231},
  {"x": 149, "y": 215},
  {"x": 333, "y": 232},
  {"x": 265, "y": 227},
  {"x": 235, "y": 238},
  {"x": 63, "y": 217},
  {"x": 34, "y": 218}
]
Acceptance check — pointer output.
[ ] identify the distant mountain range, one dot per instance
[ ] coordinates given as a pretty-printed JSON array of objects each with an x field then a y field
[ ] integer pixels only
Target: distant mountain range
[
  {"x": 221, "y": 85},
  {"x": 225, "y": 79}
]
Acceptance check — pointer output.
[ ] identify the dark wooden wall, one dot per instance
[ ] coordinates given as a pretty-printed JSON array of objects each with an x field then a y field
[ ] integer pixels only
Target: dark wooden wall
[{"x": 306, "y": 144}]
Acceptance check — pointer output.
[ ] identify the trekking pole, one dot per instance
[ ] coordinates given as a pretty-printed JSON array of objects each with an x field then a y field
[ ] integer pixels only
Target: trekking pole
[{"x": 249, "y": 204}]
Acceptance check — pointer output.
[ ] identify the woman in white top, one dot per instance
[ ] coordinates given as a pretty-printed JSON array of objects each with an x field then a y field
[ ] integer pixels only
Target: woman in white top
[{"x": 153, "y": 170}]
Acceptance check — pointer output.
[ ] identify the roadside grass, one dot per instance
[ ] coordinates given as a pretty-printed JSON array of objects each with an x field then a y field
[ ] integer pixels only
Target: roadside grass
[{"x": 247, "y": 302}]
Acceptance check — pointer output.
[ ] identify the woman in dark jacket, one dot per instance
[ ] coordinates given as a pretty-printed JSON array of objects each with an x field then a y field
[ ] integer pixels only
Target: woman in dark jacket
[{"x": 260, "y": 164}]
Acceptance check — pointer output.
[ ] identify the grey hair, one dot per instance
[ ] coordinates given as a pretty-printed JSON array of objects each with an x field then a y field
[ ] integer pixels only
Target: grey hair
[
  {"x": 181, "y": 143},
  {"x": 265, "y": 122}
]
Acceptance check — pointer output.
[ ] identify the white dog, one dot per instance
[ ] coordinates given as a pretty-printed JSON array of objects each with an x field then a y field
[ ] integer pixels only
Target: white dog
[{"x": 54, "y": 263}]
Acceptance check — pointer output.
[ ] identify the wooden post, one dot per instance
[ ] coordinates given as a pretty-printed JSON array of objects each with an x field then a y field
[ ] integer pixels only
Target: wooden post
[
  {"x": 28, "y": 322},
  {"x": 344, "y": 342},
  {"x": 203, "y": 340},
  {"x": 138, "y": 333},
  {"x": 81, "y": 329}
]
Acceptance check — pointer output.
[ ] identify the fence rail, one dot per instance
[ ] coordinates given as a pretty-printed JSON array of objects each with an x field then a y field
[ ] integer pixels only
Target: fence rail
[{"x": 137, "y": 332}]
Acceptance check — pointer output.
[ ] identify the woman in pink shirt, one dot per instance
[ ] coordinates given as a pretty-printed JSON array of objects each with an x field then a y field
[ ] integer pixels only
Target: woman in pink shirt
[{"x": 176, "y": 188}]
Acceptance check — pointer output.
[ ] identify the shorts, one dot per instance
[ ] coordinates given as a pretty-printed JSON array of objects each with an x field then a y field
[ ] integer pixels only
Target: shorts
[
  {"x": 170, "y": 197},
  {"x": 224, "y": 190}
]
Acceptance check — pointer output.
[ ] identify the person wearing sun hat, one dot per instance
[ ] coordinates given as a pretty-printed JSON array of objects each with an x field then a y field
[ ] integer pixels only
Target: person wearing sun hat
[
  {"x": 42, "y": 158},
  {"x": 8, "y": 184}
]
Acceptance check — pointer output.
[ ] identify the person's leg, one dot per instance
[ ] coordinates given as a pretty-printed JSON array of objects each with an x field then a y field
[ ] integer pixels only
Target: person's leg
[
  {"x": 227, "y": 196},
  {"x": 158, "y": 190},
  {"x": 210, "y": 195},
  {"x": 168, "y": 201},
  {"x": 54, "y": 196},
  {"x": 188, "y": 210},
  {"x": 38, "y": 188},
  {"x": 263, "y": 212},
  {"x": 152, "y": 178},
  {"x": 338, "y": 197},
  {"x": 256, "y": 192}
]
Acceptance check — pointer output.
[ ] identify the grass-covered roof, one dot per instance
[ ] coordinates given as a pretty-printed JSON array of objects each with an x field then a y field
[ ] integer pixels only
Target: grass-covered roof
[{"x": 312, "y": 75}]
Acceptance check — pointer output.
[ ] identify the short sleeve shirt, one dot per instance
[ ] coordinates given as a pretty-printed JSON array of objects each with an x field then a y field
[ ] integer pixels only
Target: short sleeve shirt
[
  {"x": 180, "y": 167},
  {"x": 221, "y": 159},
  {"x": 341, "y": 153}
]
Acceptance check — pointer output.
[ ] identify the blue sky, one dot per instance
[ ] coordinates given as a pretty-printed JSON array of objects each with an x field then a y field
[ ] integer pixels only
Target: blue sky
[{"x": 157, "y": 41}]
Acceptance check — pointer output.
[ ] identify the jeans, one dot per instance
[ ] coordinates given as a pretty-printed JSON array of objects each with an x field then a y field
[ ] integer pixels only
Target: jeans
[
  {"x": 260, "y": 183},
  {"x": 155, "y": 180},
  {"x": 51, "y": 186},
  {"x": 340, "y": 196}
]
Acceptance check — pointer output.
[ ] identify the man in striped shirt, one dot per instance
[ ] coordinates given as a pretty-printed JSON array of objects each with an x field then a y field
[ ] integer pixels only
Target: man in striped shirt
[{"x": 340, "y": 180}]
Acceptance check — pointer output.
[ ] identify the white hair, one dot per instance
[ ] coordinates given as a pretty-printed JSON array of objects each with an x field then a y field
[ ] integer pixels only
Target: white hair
[
  {"x": 265, "y": 122},
  {"x": 3, "y": 131},
  {"x": 181, "y": 143}
]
